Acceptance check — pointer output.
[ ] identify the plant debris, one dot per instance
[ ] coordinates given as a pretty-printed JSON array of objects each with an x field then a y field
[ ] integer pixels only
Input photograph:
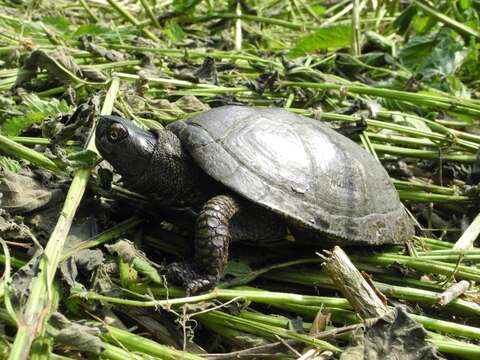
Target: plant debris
[{"x": 401, "y": 78}]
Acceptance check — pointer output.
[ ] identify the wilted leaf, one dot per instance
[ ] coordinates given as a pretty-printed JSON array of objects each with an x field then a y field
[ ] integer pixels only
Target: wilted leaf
[
  {"x": 77, "y": 336},
  {"x": 22, "y": 193},
  {"x": 190, "y": 103},
  {"x": 86, "y": 260},
  {"x": 59, "y": 65},
  {"x": 21, "y": 281},
  {"x": 332, "y": 37},
  {"x": 393, "y": 336}
]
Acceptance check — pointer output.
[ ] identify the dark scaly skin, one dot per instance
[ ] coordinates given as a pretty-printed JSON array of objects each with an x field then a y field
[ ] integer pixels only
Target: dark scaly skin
[
  {"x": 156, "y": 165},
  {"x": 212, "y": 237},
  {"x": 223, "y": 219},
  {"x": 172, "y": 177}
]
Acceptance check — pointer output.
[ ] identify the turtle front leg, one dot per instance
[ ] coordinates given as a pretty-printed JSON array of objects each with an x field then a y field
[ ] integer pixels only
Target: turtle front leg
[{"x": 212, "y": 237}]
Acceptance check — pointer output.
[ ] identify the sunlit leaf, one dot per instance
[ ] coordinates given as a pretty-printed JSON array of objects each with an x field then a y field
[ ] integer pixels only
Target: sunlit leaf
[
  {"x": 9, "y": 164},
  {"x": 90, "y": 29},
  {"x": 328, "y": 38},
  {"x": 60, "y": 23},
  {"x": 434, "y": 54},
  {"x": 34, "y": 111}
]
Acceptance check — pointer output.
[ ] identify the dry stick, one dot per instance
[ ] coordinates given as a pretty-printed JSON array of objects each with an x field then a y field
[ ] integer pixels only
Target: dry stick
[
  {"x": 359, "y": 293},
  {"x": 37, "y": 308},
  {"x": 453, "y": 292},
  {"x": 469, "y": 236}
]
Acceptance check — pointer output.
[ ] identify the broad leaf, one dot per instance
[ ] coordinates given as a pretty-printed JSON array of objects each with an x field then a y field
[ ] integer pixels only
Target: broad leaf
[
  {"x": 331, "y": 38},
  {"x": 435, "y": 54}
]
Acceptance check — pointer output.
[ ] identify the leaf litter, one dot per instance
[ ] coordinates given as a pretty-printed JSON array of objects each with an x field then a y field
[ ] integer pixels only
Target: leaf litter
[{"x": 414, "y": 87}]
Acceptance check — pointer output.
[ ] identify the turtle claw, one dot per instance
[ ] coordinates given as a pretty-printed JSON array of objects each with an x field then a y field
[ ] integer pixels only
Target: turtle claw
[{"x": 184, "y": 274}]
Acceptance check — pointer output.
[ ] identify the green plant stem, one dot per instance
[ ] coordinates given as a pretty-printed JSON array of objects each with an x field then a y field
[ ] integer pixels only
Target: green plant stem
[
  {"x": 102, "y": 238},
  {"x": 448, "y": 137},
  {"x": 130, "y": 18},
  {"x": 434, "y": 243},
  {"x": 264, "y": 330},
  {"x": 37, "y": 141},
  {"x": 356, "y": 29},
  {"x": 417, "y": 196},
  {"x": 89, "y": 11},
  {"x": 467, "y": 239},
  {"x": 401, "y": 140},
  {"x": 452, "y": 23},
  {"x": 150, "y": 13},
  {"x": 251, "y": 294},
  {"x": 474, "y": 259},
  {"x": 421, "y": 265},
  {"x": 23, "y": 152},
  {"x": 448, "y": 252},
  {"x": 182, "y": 83},
  {"x": 32, "y": 321},
  {"x": 457, "y": 348},
  {"x": 15, "y": 263},
  {"x": 312, "y": 278},
  {"x": 409, "y": 185},
  {"x": 343, "y": 316},
  {"x": 194, "y": 54},
  {"x": 138, "y": 343},
  {"x": 424, "y": 154},
  {"x": 437, "y": 102}
]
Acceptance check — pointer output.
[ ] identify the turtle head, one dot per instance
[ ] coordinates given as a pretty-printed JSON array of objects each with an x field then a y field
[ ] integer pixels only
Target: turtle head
[{"x": 125, "y": 146}]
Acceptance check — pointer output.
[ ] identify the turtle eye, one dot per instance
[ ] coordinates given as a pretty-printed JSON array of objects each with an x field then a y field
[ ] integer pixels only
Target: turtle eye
[{"x": 116, "y": 132}]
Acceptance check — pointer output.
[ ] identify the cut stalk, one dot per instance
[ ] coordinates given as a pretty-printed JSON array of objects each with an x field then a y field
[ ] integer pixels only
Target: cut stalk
[
  {"x": 469, "y": 236},
  {"x": 23, "y": 152},
  {"x": 32, "y": 321}
]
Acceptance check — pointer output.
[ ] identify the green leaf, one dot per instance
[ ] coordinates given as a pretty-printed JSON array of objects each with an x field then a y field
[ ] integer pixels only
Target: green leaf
[
  {"x": 465, "y": 4},
  {"x": 182, "y": 7},
  {"x": 58, "y": 22},
  {"x": 34, "y": 111},
  {"x": 319, "y": 10},
  {"x": 423, "y": 24},
  {"x": 9, "y": 164},
  {"x": 91, "y": 29},
  {"x": 85, "y": 156},
  {"x": 402, "y": 22},
  {"x": 238, "y": 268},
  {"x": 173, "y": 31},
  {"x": 438, "y": 54},
  {"x": 332, "y": 37}
]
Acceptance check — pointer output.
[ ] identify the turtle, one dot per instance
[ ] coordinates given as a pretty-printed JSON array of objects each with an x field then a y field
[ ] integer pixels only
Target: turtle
[{"x": 252, "y": 174}]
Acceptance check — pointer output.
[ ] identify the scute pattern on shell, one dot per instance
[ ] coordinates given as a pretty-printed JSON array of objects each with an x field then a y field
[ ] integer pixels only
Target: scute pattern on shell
[{"x": 299, "y": 168}]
